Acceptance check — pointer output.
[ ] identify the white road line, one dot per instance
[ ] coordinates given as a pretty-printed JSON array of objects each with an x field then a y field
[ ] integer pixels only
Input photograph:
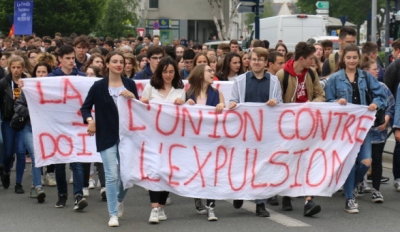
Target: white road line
[{"x": 275, "y": 216}]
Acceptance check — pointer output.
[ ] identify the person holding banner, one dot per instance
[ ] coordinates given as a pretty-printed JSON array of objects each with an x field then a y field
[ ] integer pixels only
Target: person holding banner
[
  {"x": 165, "y": 84},
  {"x": 10, "y": 89},
  {"x": 256, "y": 86},
  {"x": 201, "y": 92},
  {"x": 300, "y": 84},
  {"x": 351, "y": 84},
  {"x": 103, "y": 96}
]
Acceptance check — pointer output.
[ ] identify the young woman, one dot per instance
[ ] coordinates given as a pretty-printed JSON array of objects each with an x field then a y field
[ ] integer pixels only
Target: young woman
[
  {"x": 245, "y": 61},
  {"x": 165, "y": 84},
  {"x": 93, "y": 71},
  {"x": 142, "y": 61},
  {"x": 201, "y": 92},
  {"x": 213, "y": 63},
  {"x": 231, "y": 67},
  {"x": 131, "y": 66},
  {"x": 10, "y": 89},
  {"x": 179, "y": 61},
  {"x": 319, "y": 53},
  {"x": 103, "y": 95},
  {"x": 378, "y": 134},
  {"x": 281, "y": 47},
  {"x": 32, "y": 55},
  {"x": 95, "y": 60},
  {"x": 350, "y": 84},
  {"x": 21, "y": 108}
]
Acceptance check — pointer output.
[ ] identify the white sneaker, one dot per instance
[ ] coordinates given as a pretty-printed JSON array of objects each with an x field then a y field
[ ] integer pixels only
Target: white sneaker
[
  {"x": 91, "y": 183},
  {"x": 103, "y": 193},
  {"x": 120, "y": 209},
  {"x": 43, "y": 179},
  {"x": 51, "y": 179},
  {"x": 367, "y": 189},
  {"x": 397, "y": 185},
  {"x": 113, "y": 221},
  {"x": 85, "y": 192},
  {"x": 168, "y": 202},
  {"x": 161, "y": 214},
  {"x": 71, "y": 179},
  {"x": 154, "y": 216}
]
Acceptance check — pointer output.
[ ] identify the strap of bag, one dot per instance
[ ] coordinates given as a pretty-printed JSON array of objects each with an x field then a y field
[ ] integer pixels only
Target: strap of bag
[{"x": 332, "y": 62}]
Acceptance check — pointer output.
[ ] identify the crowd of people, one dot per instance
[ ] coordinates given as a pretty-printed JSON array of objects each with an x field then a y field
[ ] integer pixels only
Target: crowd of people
[{"x": 274, "y": 76}]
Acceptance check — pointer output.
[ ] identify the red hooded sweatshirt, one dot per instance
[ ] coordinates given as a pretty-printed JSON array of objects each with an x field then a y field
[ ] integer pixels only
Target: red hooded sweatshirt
[{"x": 301, "y": 90}]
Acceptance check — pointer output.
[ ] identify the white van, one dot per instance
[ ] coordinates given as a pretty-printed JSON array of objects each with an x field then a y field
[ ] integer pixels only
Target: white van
[{"x": 289, "y": 29}]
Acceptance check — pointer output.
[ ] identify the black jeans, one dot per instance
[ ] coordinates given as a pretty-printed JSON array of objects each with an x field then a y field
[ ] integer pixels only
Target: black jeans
[
  {"x": 396, "y": 161},
  {"x": 159, "y": 197},
  {"x": 377, "y": 151}
]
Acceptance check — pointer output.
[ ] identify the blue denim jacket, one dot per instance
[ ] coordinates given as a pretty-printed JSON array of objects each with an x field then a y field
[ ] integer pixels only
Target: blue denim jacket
[
  {"x": 396, "y": 122},
  {"x": 338, "y": 86},
  {"x": 379, "y": 136}
]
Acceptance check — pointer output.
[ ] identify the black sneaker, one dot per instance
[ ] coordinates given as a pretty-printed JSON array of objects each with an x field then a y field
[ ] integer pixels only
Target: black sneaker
[
  {"x": 360, "y": 190},
  {"x": 376, "y": 197},
  {"x": 261, "y": 211},
  {"x": 351, "y": 206},
  {"x": 310, "y": 208},
  {"x": 237, "y": 204},
  {"x": 5, "y": 180},
  {"x": 18, "y": 189},
  {"x": 200, "y": 208},
  {"x": 62, "y": 201},
  {"x": 41, "y": 195},
  {"x": 273, "y": 200},
  {"x": 384, "y": 179},
  {"x": 287, "y": 204},
  {"x": 80, "y": 203}
]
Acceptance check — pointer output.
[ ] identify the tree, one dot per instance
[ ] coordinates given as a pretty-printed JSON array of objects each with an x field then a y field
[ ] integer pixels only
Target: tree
[
  {"x": 51, "y": 16},
  {"x": 268, "y": 12},
  {"x": 356, "y": 11},
  {"x": 216, "y": 6},
  {"x": 119, "y": 19}
]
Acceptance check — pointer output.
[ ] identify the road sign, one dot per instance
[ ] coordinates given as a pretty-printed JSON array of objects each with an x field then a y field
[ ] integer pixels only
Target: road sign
[
  {"x": 156, "y": 25},
  {"x": 322, "y": 11},
  {"x": 141, "y": 31},
  {"x": 322, "y": 5},
  {"x": 247, "y": 8}
]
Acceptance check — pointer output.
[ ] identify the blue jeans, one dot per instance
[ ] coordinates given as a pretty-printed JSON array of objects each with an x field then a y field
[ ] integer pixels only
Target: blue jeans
[
  {"x": 114, "y": 189},
  {"x": 359, "y": 169},
  {"x": 28, "y": 140},
  {"x": 61, "y": 178},
  {"x": 13, "y": 143}
]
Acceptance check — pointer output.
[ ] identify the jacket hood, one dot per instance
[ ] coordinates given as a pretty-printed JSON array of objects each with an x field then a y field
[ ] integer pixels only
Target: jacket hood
[
  {"x": 59, "y": 72},
  {"x": 288, "y": 67}
]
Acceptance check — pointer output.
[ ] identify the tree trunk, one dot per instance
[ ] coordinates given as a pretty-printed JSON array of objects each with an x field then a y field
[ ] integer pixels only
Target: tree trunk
[
  {"x": 221, "y": 12},
  {"x": 215, "y": 19},
  {"x": 232, "y": 14}
]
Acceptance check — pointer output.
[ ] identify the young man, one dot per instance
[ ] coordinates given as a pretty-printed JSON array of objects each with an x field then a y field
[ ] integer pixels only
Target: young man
[
  {"x": 275, "y": 62},
  {"x": 188, "y": 56},
  {"x": 222, "y": 49},
  {"x": 327, "y": 45},
  {"x": 234, "y": 46},
  {"x": 47, "y": 44},
  {"x": 256, "y": 86},
  {"x": 395, "y": 50},
  {"x": 108, "y": 45},
  {"x": 147, "y": 40},
  {"x": 156, "y": 40},
  {"x": 300, "y": 83},
  {"x": 371, "y": 49},
  {"x": 197, "y": 48},
  {"x": 347, "y": 36},
  {"x": 66, "y": 58},
  {"x": 81, "y": 47},
  {"x": 154, "y": 55}
]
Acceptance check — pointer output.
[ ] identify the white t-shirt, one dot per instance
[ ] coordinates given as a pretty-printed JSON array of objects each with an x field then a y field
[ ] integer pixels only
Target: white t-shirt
[
  {"x": 114, "y": 92},
  {"x": 151, "y": 93}
]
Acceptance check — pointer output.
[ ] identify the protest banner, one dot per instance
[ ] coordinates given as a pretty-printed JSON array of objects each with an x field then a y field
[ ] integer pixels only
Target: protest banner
[{"x": 252, "y": 152}]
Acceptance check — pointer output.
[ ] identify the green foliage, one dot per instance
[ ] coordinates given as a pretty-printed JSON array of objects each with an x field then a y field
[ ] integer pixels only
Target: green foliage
[
  {"x": 268, "y": 12},
  {"x": 50, "y": 16},
  {"x": 356, "y": 11},
  {"x": 119, "y": 19}
]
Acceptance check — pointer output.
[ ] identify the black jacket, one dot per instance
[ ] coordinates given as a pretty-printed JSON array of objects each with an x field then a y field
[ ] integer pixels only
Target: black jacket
[
  {"x": 106, "y": 112},
  {"x": 6, "y": 98}
]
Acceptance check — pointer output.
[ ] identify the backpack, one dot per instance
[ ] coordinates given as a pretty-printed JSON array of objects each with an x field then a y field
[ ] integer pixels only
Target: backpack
[{"x": 286, "y": 79}]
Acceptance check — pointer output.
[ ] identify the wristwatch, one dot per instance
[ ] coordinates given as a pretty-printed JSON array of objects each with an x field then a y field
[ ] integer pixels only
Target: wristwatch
[{"x": 89, "y": 119}]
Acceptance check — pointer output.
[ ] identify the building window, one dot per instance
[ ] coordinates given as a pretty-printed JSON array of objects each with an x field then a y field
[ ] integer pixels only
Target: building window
[{"x": 153, "y": 4}]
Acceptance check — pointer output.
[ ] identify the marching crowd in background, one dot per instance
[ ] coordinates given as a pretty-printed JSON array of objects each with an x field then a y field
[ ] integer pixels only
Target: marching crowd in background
[{"x": 311, "y": 73}]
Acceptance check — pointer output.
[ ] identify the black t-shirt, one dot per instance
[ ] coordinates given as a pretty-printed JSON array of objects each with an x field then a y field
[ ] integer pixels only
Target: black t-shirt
[
  {"x": 326, "y": 69},
  {"x": 356, "y": 91}
]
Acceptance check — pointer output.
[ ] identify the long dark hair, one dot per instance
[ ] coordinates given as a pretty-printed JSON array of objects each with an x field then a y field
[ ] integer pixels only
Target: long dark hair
[
  {"x": 196, "y": 79},
  {"x": 157, "y": 81},
  {"x": 349, "y": 48},
  {"x": 223, "y": 73},
  {"x": 42, "y": 63}
]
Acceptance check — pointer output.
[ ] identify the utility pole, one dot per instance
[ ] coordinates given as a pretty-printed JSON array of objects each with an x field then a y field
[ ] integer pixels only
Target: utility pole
[
  {"x": 373, "y": 21},
  {"x": 257, "y": 19}
]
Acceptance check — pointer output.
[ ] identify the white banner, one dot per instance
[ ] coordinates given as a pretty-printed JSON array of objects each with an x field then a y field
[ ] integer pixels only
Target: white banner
[
  {"x": 59, "y": 135},
  {"x": 252, "y": 152}
]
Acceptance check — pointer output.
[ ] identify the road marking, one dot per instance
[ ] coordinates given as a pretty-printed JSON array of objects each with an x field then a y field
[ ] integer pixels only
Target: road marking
[{"x": 275, "y": 216}]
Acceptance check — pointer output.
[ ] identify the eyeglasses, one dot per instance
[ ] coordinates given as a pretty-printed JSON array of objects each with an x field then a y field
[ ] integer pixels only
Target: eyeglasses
[
  {"x": 156, "y": 57},
  {"x": 257, "y": 60},
  {"x": 210, "y": 70}
]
